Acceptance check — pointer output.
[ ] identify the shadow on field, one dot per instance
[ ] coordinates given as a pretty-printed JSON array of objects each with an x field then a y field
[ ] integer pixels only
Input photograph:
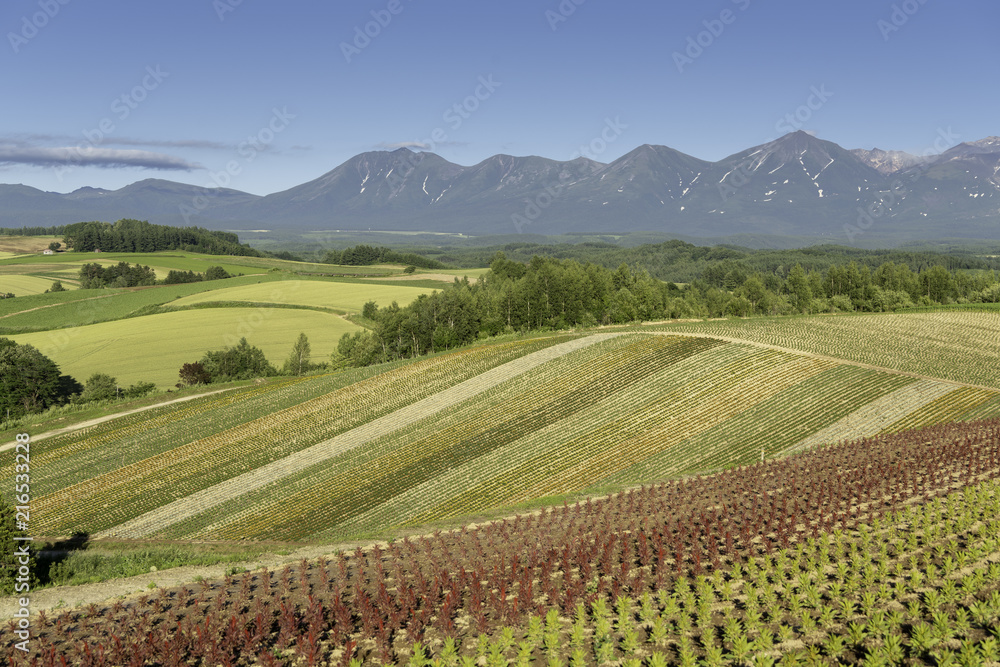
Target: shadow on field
[{"x": 51, "y": 562}]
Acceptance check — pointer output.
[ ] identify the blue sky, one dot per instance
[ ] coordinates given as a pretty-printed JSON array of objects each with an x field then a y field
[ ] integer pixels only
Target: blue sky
[{"x": 262, "y": 95}]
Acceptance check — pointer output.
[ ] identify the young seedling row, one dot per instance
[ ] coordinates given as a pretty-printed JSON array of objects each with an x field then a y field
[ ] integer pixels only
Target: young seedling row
[{"x": 881, "y": 551}]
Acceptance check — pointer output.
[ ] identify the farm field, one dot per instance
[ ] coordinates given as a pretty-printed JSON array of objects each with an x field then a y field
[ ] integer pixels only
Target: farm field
[
  {"x": 879, "y": 551},
  {"x": 68, "y": 263},
  {"x": 79, "y": 307},
  {"x": 952, "y": 345},
  {"x": 88, "y": 331},
  {"x": 610, "y": 410},
  {"x": 152, "y": 348},
  {"x": 348, "y": 297},
  {"x": 23, "y": 285}
]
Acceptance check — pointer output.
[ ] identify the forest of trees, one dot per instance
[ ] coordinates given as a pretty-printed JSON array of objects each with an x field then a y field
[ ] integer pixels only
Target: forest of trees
[
  {"x": 678, "y": 261},
  {"x": 365, "y": 255},
  {"x": 32, "y": 231},
  {"x": 141, "y": 236},
  {"x": 548, "y": 293}
]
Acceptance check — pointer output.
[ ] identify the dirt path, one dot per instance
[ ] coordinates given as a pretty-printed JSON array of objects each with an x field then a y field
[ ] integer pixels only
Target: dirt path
[{"x": 101, "y": 420}]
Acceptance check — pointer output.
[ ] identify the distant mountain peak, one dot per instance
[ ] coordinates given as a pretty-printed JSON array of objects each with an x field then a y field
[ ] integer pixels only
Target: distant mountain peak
[
  {"x": 888, "y": 162},
  {"x": 797, "y": 184},
  {"x": 988, "y": 142}
]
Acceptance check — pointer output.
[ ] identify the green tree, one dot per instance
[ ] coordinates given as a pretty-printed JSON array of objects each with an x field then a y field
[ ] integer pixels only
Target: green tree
[
  {"x": 298, "y": 361},
  {"x": 194, "y": 373},
  {"x": 754, "y": 291},
  {"x": 55, "y": 287},
  {"x": 99, "y": 387},
  {"x": 30, "y": 381},
  {"x": 936, "y": 283},
  {"x": 798, "y": 287},
  {"x": 216, "y": 273},
  {"x": 54, "y": 246},
  {"x": 240, "y": 362}
]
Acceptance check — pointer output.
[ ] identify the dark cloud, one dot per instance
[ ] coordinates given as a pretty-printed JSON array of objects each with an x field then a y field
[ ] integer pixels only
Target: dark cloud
[{"x": 81, "y": 156}]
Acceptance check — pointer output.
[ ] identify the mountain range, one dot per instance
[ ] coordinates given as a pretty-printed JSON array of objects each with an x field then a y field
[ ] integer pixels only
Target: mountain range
[{"x": 796, "y": 185}]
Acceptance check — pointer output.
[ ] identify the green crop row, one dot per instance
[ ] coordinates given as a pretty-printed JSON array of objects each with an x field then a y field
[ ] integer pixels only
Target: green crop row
[
  {"x": 94, "y": 503},
  {"x": 960, "y": 346}
]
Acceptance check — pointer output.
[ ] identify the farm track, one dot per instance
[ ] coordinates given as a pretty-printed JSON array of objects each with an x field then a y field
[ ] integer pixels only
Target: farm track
[{"x": 198, "y": 502}]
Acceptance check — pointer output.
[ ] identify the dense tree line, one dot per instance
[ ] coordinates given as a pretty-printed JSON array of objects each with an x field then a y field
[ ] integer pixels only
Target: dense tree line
[
  {"x": 141, "y": 236},
  {"x": 365, "y": 255},
  {"x": 122, "y": 274},
  {"x": 179, "y": 277},
  {"x": 682, "y": 262},
  {"x": 32, "y": 231},
  {"x": 549, "y": 293}
]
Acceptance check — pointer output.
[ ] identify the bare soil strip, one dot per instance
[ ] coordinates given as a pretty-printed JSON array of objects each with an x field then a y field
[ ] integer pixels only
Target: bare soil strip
[{"x": 183, "y": 508}]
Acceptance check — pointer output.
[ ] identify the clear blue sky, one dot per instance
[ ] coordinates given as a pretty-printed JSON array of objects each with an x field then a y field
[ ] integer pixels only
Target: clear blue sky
[{"x": 199, "y": 77}]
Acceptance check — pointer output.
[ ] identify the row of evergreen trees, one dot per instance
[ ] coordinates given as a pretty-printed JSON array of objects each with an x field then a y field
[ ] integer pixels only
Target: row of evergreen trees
[
  {"x": 123, "y": 274},
  {"x": 140, "y": 236},
  {"x": 366, "y": 255}
]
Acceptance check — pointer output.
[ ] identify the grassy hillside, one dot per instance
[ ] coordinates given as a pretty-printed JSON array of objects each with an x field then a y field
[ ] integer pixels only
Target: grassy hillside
[
  {"x": 144, "y": 333},
  {"x": 951, "y": 344},
  {"x": 347, "y": 297},
  {"x": 24, "y": 285},
  {"x": 446, "y": 436},
  {"x": 154, "y": 347}
]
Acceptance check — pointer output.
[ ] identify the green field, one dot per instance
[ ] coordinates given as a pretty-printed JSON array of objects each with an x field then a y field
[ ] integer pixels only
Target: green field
[
  {"x": 952, "y": 344},
  {"x": 349, "y": 297},
  {"x": 23, "y": 285},
  {"x": 152, "y": 348},
  {"x": 443, "y": 437},
  {"x": 133, "y": 334},
  {"x": 80, "y": 307}
]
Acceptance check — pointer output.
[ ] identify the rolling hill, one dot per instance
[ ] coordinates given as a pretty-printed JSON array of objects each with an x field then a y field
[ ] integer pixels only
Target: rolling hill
[{"x": 337, "y": 456}]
